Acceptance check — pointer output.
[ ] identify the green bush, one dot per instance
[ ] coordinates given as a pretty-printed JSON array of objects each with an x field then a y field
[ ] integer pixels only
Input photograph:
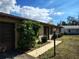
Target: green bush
[
  {"x": 28, "y": 35},
  {"x": 39, "y": 42},
  {"x": 44, "y": 39}
]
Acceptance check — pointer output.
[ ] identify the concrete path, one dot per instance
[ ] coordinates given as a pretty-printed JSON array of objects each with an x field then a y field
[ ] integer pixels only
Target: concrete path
[
  {"x": 41, "y": 50},
  {"x": 24, "y": 56}
]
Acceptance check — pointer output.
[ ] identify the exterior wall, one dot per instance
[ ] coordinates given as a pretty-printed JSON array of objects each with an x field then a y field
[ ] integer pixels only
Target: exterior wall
[
  {"x": 62, "y": 30},
  {"x": 16, "y": 22},
  {"x": 74, "y": 30},
  {"x": 50, "y": 36},
  {"x": 70, "y": 31},
  {"x": 9, "y": 20},
  {"x": 49, "y": 32},
  {"x": 41, "y": 32}
]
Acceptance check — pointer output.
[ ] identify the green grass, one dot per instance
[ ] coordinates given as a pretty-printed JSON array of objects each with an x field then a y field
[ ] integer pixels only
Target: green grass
[{"x": 68, "y": 49}]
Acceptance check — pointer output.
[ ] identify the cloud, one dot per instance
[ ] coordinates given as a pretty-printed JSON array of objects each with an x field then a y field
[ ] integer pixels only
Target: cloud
[
  {"x": 58, "y": 13},
  {"x": 7, "y": 5},
  {"x": 35, "y": 13}
]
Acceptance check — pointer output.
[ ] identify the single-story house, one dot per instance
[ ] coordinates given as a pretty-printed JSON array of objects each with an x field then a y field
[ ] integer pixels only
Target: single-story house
[
  {"x": 70, "y": 29},
  {"x": 9, "y": 34}
]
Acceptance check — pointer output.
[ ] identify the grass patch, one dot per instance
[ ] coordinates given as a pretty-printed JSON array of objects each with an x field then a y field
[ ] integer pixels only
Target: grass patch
[{"x": 68, "y": 49}]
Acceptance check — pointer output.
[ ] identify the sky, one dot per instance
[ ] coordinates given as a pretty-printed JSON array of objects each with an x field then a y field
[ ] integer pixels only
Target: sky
[{"x": 52, "y": 11}]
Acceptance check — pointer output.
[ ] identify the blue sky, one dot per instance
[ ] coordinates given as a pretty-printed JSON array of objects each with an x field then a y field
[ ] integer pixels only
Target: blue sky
[
  {"x": 69, "y": 7},
  {"x": 53, "y": 10}
]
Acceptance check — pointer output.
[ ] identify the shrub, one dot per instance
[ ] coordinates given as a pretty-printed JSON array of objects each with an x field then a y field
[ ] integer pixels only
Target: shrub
[
  {"x": 39, "y": 42},
  {"x": 44, "y": 39},
  {"x": 28, "y": 34}
]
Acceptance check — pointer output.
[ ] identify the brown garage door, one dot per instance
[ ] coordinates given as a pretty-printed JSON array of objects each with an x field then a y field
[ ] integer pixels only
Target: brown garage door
[{"x": 7, "y": 36}]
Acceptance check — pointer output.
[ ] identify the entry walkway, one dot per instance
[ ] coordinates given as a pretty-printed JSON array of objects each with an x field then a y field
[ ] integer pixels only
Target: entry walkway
[
  {"x": 41, "y": 50},
  {"x": 24, "y": 56}
]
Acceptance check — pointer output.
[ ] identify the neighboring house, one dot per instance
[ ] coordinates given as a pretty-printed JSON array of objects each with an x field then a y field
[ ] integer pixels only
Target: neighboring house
[
  {"x": 73, "y": 29},
  {"x": 9, "y": 34}
]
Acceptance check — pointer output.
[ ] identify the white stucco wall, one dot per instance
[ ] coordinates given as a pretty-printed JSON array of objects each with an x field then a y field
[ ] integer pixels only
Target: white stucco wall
[{"x": 70, "y": 31}]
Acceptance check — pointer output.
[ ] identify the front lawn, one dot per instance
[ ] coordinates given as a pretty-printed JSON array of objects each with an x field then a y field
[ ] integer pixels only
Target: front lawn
[{"x": 68, "y": 49}]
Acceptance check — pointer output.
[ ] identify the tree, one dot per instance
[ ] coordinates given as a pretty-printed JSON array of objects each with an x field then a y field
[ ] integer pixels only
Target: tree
[
  {"x": 64, "y": 23},
  {"x": 71, "y": 20}
]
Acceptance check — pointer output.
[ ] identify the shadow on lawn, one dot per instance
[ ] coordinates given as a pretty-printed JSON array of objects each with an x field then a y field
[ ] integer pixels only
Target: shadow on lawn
[{"x": 10, "y": 54}]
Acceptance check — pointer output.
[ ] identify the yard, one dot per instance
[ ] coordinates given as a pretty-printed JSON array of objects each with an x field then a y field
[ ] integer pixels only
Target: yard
[{"x": 68, "y": 49}]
